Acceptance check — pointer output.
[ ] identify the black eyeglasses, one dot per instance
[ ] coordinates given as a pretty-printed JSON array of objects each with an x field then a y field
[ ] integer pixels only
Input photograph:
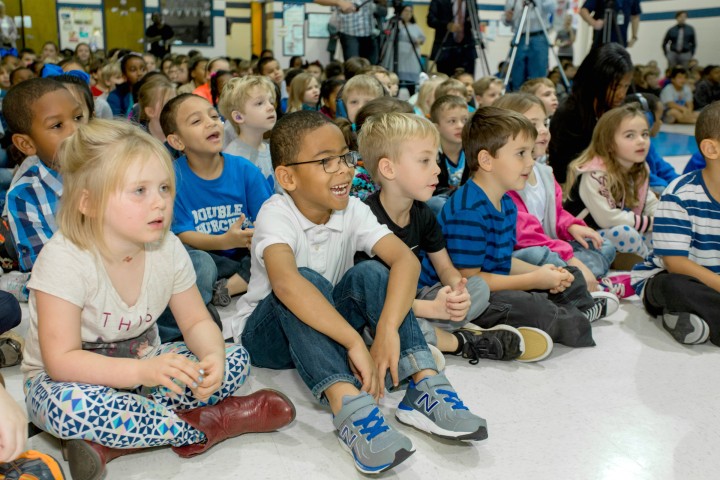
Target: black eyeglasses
[{"x": 332, "y": 164}]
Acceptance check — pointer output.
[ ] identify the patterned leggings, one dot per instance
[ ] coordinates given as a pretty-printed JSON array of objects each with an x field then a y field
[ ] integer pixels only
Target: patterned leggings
[
  {"x": 628, "y": 240},
  {"x": 136, "y": 418}
]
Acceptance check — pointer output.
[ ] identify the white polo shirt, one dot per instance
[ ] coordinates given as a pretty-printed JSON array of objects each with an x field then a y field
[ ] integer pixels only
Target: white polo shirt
[{"x": 328, "y": 249}]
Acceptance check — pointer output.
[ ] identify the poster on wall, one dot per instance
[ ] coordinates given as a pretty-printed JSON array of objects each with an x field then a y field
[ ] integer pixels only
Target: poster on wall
[
  {"x": 318, "y": 25},
  {"x": 81, "y": 25},
  {"x": 294, "y": 29}
]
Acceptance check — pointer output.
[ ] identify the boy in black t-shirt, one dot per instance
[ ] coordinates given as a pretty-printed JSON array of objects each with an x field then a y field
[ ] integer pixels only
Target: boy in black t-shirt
[{"x": 400, "y": 152}]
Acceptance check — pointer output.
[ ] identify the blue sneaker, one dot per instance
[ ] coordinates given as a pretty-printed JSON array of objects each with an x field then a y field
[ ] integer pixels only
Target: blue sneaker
[
  {"x": 363, "y": 432},
  {"x": 433, "y": 406}
]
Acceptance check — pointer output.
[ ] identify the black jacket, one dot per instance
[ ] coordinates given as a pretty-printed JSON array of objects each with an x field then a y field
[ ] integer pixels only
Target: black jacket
[{"x": 440, "y": 14}]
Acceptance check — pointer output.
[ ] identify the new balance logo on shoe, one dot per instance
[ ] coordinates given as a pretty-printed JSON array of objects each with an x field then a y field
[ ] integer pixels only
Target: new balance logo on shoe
[
  {"x": 345, "y": 436},
  {"x": 424, "y": 403}
]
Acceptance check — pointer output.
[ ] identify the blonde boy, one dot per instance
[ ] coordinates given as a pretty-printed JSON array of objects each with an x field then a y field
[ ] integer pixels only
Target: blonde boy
[
  {"x": 400, "y": 152},
  {"x": 359, "y": 90},
  {"x": 248, "y": 105},
  {"x": 544, "y": 89}
]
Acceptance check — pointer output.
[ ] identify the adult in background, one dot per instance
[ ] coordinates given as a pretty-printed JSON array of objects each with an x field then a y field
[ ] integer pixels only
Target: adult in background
[
  {"x": 453, "y": 46},
  {"x": 409, "y": 39},
  {"x": 159, "y": 35},
  {"x": 565, "y": 39},
  {"x": 531, "y": 59},
  {"x": 601, "y": 83},
  {"x": 679, "y": 42},
  {"x": 358, "y": 27},
  {"x": 624, "y": 12}
]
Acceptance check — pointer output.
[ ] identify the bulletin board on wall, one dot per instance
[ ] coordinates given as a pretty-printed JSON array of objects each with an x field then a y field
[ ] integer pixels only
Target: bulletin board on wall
[
  {"x": 294, "y": 29},
  {"x": 81, "y": 25}
]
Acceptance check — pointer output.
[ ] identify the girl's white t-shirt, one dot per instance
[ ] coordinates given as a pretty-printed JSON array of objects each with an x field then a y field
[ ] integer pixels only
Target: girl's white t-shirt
[
  {"x": 536, "y": 197},
  {"x": 108, "y": 325}
]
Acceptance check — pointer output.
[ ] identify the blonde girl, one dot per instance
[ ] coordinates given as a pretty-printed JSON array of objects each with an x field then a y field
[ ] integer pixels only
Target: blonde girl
[
  {"x": 426, "y": 95},
  {"x": 304, "y": 93},
  {"x": 155, "y": 92},
  {"x": 96, "y": 375},
  {"x": 607, "y": 186}
]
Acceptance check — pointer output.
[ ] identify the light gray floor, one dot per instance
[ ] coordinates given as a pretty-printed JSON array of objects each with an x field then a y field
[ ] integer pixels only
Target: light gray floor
[{"x": 636, "y": 406}]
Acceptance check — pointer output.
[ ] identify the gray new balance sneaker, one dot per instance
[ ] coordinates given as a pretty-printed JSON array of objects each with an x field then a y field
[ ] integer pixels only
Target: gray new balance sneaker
[
  {"x": 433, "y": 406},
  {"x": 363, "y": 432}
]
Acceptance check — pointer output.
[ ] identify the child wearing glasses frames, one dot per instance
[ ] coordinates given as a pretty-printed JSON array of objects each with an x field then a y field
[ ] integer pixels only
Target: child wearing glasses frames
[
  {"x": 218, "y": 195},
  {"x": 307, "y": 305}
]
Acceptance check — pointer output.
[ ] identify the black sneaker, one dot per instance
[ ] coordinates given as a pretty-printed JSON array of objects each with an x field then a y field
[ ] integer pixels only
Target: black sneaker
[
  {"x": 501, "y": 342},
  {"x": 606, "y": 303}
]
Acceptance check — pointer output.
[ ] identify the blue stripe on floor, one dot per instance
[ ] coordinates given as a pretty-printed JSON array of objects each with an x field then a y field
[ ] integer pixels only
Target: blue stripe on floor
[{"x": 672, "y": 144}]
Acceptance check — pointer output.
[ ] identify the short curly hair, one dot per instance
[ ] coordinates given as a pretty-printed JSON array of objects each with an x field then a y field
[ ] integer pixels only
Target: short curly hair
[{"x": 289, "y": 132}]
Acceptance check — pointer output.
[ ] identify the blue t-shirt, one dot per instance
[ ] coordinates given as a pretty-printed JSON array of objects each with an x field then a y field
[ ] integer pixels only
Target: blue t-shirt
[
  {"x": 476, "y": 233},
  {"x": 211, "y": 206}
]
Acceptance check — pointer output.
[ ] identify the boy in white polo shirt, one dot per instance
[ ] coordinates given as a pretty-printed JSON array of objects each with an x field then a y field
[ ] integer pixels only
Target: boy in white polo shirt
[{"x": 307, "y": 305}]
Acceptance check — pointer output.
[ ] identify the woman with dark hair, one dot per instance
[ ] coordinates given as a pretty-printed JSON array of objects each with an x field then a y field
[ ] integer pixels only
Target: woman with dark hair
[{"x": 600, "y": 84}]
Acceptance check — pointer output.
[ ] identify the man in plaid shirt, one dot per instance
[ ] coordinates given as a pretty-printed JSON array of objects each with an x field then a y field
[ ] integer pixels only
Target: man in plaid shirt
[{"x": 357, "y": 27}]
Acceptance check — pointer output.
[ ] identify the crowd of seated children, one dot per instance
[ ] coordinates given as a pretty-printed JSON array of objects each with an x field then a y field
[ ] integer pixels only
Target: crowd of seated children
[
  {"x": 546, "y": 232},
  {"x": 478, "y": 223},
  {"x": 399, "y": 151}
]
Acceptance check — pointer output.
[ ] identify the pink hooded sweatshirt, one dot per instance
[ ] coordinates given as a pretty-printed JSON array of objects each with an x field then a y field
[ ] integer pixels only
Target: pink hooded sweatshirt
[{"x": 554, "y": 234}]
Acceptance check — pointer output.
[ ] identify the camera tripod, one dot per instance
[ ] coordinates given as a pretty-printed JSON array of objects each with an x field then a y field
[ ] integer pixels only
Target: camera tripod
[
  {"x": 477, "y": 36},
  {"x": 525, "y": 25},
  {"x": 610, "y": 24},
  {"x": 392, "y": 41}
]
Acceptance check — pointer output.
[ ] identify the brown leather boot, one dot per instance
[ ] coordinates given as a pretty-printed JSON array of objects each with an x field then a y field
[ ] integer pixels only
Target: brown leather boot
[
  {"x": 262, "y": 411},
  {"x": 88, "y": 459}
]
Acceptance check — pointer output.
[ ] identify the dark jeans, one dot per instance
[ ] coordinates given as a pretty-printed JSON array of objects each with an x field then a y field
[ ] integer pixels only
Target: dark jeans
[
  {"x": 277, "y": 339},
  {"x": 674, "y": 292},
  {"x": 207, "y": 275},
  {"x": 365, "y": 47},
  {"x": 229, "y": 266},
  {"x": 10, "y": 313},
  {"x": 560, "y": 315}
]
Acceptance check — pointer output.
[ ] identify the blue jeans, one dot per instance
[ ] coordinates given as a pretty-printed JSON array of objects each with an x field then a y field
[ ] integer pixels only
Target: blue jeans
[
  {"x": 206, "y": 274},
  {"x": 598, "y": 261},
  {"x": 277, "y": 339},
  {"x": 531, "y": 60}
]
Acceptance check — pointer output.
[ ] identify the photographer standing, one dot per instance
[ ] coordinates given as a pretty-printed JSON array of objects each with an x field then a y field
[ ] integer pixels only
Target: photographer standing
[
  {"x": 358, "y": 28},
  {"x": 620, "y": 13},
  {"x": 531, "y": 59},
  {"x": 453, "y": 46}
]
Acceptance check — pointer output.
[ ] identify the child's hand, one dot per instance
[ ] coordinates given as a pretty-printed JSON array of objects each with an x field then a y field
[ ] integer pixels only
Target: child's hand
[
  {"x": 567, "y": 280},
  {"x": 239, "y": 237},
  {"x": 385, "y": 351},
  {"x": 363, "y": 367},
  {"x": 580, "y": 233},
  {"x": 549, "y": 277},
  {"x": 458, "y": 302},
  {"x": 440, "y": 304},
  {"x": 13, "y": 428},
  {"x": 163, "y": 369},
  {"x": 212, "y": 369}
]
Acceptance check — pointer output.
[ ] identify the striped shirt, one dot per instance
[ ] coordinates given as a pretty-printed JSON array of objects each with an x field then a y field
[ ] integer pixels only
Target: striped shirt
[
  {"x": 32, "y": 204},
  {"x": 477, "y": 234},
  {"x": 687, "y": 224}
]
